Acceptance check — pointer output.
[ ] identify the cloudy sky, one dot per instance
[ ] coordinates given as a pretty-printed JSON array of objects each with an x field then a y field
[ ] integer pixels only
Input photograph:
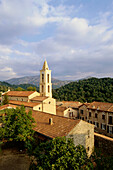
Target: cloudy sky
[{"x": 74, "y": 36}]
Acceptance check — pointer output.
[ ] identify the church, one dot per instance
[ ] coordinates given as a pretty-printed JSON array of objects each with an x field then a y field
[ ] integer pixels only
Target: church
[{"x": 33, "y": 100}]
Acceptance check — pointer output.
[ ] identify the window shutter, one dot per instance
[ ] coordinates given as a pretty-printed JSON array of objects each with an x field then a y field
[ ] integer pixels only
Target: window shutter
[{"x": 107, "y": 129}]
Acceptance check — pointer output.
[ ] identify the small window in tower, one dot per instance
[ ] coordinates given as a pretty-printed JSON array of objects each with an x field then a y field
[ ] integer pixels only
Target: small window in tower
[
  {"x": 42, "y": 88},
  {"x": 39, "y": 108},
  {"x": 48, "y": 89},
  {"x": 49, "y": 102},
  {"x": 42, "y": 78},
  {"x": 48, "y": 78}
]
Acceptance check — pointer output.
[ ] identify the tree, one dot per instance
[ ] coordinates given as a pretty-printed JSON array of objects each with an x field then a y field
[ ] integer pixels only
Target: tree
[
  {"x": 19, "y": 89},
  {"x": 60, "y": 153},
  {"x": 18, "y": 126},
  {"x": 5, "y": 100},
  {"x": 30, "y": 88}
]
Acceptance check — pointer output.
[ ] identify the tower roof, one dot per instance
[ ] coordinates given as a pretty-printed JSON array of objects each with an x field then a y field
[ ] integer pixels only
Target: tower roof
[{"x": 45, "y": 66}]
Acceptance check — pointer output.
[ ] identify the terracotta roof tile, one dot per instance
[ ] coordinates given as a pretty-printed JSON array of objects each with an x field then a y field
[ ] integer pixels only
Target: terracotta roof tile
[
  {"x": 19, "y": 93},
  {"x": 61, "y": 126},
  {"x": 7, "y": 106},
  {"x": 26, "y": 104},
  {"x": 110, "y": 109},
  {"x": 100, "y": 106},
  {"x": 39, "y": 98},
  {"x": 74, "y": 104}
]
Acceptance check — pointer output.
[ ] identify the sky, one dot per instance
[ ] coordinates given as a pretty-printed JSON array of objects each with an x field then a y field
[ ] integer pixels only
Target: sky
[{"x": 74, "y": 36}]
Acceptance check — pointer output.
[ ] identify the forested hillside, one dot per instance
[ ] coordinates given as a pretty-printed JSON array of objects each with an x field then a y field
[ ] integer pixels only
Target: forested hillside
[
  {"x": 4, "y": 87},
  {"x": 87, "y": 90}
]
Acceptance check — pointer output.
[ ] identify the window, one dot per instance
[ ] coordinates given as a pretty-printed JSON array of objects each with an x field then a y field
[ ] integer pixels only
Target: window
[
  {"x": 88, "y": 149},
  {"x": 90, "y": 121},
  {"x": 88, "y": 133},
  {"x": 39, "y": 108},
  {"x": 22, "y": 99},
  {"x": 89, "y": 114},
  {"x": 110, "y": 129},
  {"x": 82, "y": 118},
  {"x": 96, "y": 124},
  {"x": 42, "y": 78},
  {"x": 110, "y": 120},
  {"x": 49, "y": 102},
  {"x": 96, "y": 115},
  {"x": 48, "y": 89},
  {"x": 42, "y": 88},
  {"x": 81, "y": 111},
  {"x": 103, "y": 116},
  {"x": 71, "y": 114},
  {"x": 103, "y": 126},
  {"x": 48, "y": 78}
]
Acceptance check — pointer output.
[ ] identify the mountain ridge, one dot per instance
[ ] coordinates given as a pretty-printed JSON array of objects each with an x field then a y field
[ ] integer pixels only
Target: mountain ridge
[{"x": 34, "y": 80}]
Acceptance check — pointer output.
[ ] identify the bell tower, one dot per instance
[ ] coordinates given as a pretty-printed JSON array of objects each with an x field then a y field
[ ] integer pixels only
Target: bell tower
[{"x": 45, "y": 81}]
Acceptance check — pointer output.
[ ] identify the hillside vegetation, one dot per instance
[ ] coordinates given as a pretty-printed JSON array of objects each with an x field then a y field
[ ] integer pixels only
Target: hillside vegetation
[
  {"x": 87, "y": 90},
  {"x": 4, "y": 87}
]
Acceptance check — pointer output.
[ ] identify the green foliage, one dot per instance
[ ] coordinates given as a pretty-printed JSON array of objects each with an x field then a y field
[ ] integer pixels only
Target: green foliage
[
  {"x": 92, "y": 89},
  {"x": 30, "y": 88},
  {"x": 18, "y": 125},
  {"x": 19, "y": 89},
  {"x": 60, "y": 153},
  {"x": 5, "y": 100}
]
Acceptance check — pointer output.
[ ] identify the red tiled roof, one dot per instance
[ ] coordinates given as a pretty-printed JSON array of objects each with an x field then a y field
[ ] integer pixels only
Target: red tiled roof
[
  {"x": 7, "y": 106},
  {"x": 61, "y": 126},
  {"x": 74, "y": 104},
  {"x": 19, "y": 93},
  {"x": 100, "y": 106},
  {"x": 39, "y": 98},
  {"x": 110, "y": 109},
  {"x": 26, "y": 104},
  {"x": 61, "y": 108}
]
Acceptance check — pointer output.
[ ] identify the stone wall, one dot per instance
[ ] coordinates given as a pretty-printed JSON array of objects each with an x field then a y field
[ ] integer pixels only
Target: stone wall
[{"x": 104, "y": 143}]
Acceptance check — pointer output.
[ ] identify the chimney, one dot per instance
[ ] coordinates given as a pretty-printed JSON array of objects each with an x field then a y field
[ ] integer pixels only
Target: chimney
[{"x": 50, "y": 121}]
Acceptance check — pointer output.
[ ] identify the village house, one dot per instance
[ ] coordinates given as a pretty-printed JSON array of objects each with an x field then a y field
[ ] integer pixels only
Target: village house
[
  {"x": 68, "y": 108},
  {"x": 66, "y": 112},
  {"x": 100, "y": 114},
  {"x": 50, "y": 126}
]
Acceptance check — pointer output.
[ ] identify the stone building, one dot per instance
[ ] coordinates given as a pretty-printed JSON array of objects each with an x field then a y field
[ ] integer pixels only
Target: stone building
[
  {"x": 68, "y": 108},
  {"x": 66, "y": 112},
  {"x": 100, "y": 114},
  {"x": 49, "y": 126}
]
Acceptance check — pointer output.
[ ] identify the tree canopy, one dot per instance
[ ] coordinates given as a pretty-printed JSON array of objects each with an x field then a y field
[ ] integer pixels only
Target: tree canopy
[
  {"x": 60, "y": 153},
  {"x": 5, "y": 100},
  {"x": 87, "y": 90},
  {"x": 17, "y": 125}
]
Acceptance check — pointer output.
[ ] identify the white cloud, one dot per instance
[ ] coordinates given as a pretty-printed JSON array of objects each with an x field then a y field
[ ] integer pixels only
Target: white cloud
[
  {"x": 76, "y": 47},
  {"x": 7, "y": 72}
]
